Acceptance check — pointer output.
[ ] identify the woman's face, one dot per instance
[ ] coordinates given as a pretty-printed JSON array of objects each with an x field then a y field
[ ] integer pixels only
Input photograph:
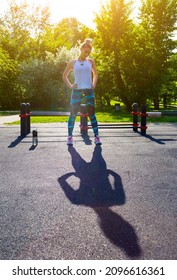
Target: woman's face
[{"x": 85, "y": 51}]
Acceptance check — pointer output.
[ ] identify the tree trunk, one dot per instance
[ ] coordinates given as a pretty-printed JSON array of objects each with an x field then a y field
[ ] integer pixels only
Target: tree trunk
[
  {"x": 165, "y": 100},
  {"x": 156, "y": 103}
]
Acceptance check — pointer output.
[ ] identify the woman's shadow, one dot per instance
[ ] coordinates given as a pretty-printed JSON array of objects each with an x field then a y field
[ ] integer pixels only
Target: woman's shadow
[{"x": 99, "y": 189}]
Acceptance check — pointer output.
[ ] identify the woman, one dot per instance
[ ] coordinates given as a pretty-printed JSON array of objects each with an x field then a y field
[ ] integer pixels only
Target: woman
[{"x": 85, "y": 76}]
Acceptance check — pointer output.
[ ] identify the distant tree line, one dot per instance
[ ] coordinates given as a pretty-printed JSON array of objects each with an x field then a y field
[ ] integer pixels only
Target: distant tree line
[{"x": 136, "y": 60}]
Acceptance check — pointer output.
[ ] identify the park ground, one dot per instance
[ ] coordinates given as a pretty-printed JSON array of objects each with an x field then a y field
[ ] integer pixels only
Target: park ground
[{"x": 115, "y": 201}]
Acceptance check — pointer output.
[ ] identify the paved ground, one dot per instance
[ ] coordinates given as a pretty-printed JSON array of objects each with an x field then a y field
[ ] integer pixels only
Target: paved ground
[
  {"x": 9, "y": 119},
  {"x": 117, "y": 201}
]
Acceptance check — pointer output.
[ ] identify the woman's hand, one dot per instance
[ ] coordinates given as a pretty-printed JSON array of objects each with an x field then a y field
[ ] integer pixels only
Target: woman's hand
[
  {"x": 74, "y": 86},
  {"x": 92, "y": 87}
]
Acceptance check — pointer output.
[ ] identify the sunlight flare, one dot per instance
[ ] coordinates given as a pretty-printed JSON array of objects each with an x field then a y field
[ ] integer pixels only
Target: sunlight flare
[{"x": 84, "y": 11}]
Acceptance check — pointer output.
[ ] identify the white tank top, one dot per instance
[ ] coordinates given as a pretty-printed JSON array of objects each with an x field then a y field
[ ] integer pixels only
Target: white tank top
[{"x": 83, "y": 74}]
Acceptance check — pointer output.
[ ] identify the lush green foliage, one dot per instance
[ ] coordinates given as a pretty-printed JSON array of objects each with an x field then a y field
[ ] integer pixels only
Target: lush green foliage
[
  {"x": 136, "y": 55},
  {"x": 135, "y": 59},
  {"x": 41, "y": 79}
]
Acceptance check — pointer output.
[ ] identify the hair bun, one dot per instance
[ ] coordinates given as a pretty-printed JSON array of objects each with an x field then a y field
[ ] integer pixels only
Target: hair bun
[
  {"x": 88, "y": 41},
  {"x": 87, "y": 44}
]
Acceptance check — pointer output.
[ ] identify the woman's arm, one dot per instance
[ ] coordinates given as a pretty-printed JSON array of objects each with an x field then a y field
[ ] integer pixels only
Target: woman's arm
[
  {"x": 66, "y": 72},
  {"x": 95, "y": 75}
]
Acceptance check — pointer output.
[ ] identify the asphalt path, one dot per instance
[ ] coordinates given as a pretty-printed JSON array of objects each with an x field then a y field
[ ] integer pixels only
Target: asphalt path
[
  {"x": 9, "y": 119},
  {"x": 115, "y": 201}
]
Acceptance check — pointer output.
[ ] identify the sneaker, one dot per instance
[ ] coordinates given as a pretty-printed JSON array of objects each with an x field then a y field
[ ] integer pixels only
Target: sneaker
[
  {"x": 97, "y": 140},
  {"x": 70, "y": 140}
]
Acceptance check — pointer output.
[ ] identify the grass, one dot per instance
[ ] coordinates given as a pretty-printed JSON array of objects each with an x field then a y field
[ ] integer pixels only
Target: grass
[
  {"x": 111, "y": 117},
  {"x": 101, "y": 118},
  {"x": 8, "y": 113},
  {"x": 107, "y": 116},
  {"x": 163, "y": 119}
]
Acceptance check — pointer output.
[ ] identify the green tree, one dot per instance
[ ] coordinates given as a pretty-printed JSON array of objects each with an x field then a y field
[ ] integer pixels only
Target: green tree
[
  {"x": 68, "y": 32},
  {"x": 42, "y": 79},
  {"x": 133, "y": 57},
  {"x": 116, "y": 41},
  {"x": 158, "y": 19},
  {"x": 8, "y": 75},
  {"x": 169, "y": 87},
  {"x": 24, "y": 28},
  {"x": 19, "y": 40}
]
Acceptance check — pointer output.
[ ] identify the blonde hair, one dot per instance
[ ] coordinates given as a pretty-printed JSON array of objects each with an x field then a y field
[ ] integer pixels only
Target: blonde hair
[{"x": 86, "y": 44}]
